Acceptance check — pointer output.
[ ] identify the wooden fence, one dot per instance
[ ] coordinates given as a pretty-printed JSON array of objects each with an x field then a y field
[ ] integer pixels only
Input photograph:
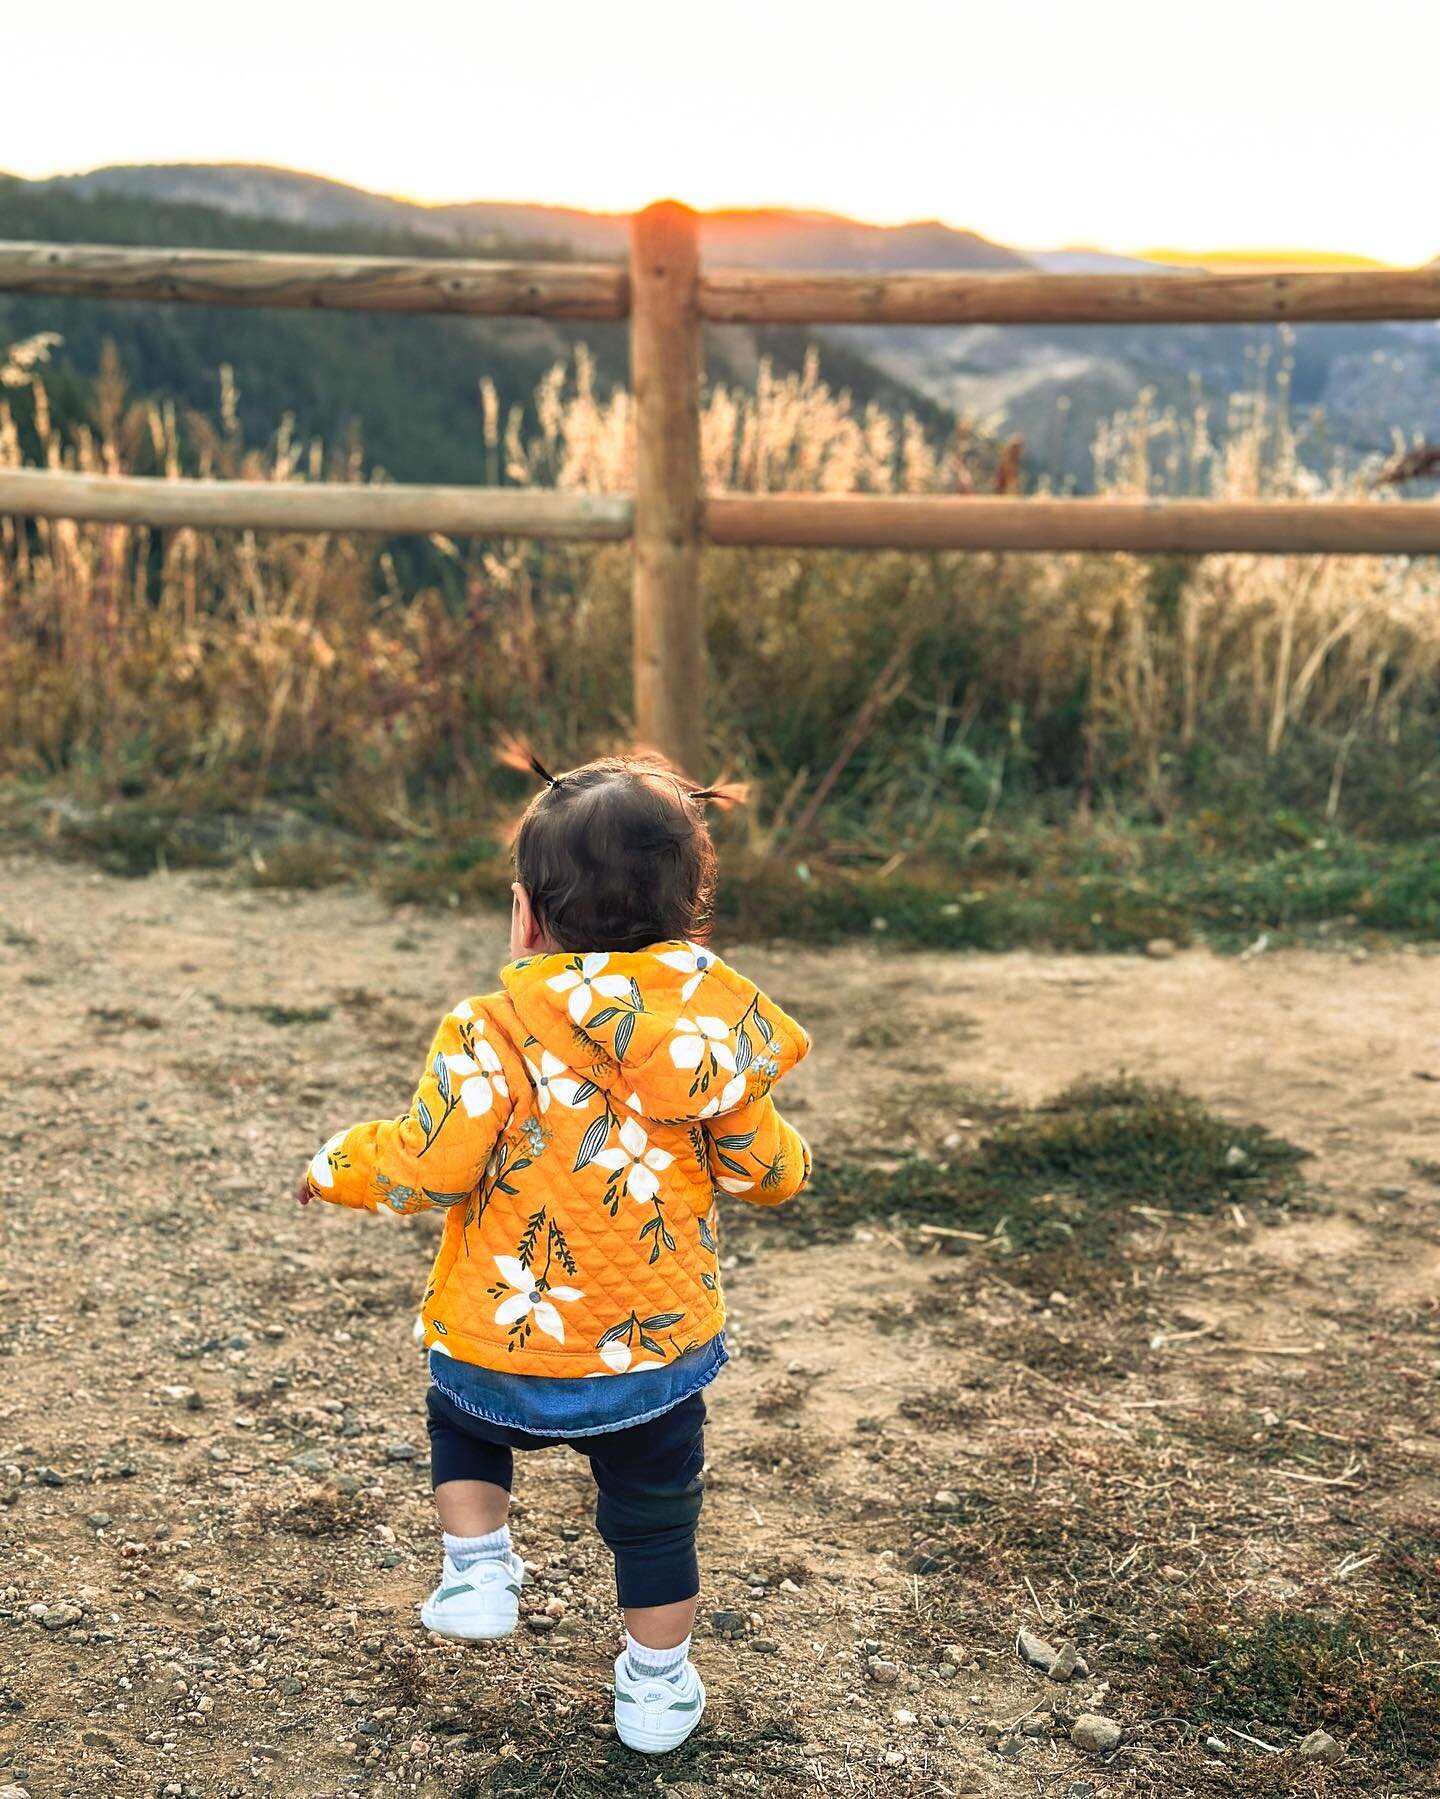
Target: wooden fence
[{"x": 667, "y": 296}]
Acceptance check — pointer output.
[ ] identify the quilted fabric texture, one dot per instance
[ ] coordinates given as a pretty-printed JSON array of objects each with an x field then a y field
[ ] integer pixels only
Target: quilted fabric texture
[{"x": 575, "y": 1127}]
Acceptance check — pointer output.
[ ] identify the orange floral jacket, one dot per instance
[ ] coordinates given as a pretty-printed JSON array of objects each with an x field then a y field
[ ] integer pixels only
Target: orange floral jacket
[{"x": 575, "y": 1127}]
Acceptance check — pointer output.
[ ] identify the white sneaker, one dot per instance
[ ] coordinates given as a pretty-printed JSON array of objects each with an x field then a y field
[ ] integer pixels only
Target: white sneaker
[
  {"x": 656, "y": 1713},
  {"x": 481, "y": 1602}
]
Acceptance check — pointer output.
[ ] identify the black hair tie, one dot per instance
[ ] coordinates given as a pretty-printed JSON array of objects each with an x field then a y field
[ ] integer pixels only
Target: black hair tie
[{"x": 540, "y": 769}]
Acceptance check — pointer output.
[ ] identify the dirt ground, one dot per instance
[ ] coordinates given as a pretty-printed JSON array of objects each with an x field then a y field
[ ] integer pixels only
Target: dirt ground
[{"x": 212, "y": 1449}]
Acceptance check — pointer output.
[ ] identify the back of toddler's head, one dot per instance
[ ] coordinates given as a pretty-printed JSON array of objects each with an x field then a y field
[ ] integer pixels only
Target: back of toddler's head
[{"x": 617, "y": 854}]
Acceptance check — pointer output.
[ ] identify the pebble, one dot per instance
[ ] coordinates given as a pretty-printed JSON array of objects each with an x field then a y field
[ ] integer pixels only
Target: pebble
[
  {"x": 727, "y": 1624},
  {"x": 907, "y": 1718},
  {"x": 13, "y": 1792},
  {"x": 57, "y": 1617},
  {"x": 98, "y": 1520},
  {"x": 310, "y": 1461},
  {"x": 539, "y": 1622},
  {"x": 765, "y": 1646},
  {"x": 1095, "y": 1734},
  {"x": 400, "y": 1452},
  {"x": 1320, "y": 1746},
  {"x": 1060, "y": 1663},
  {"x": 48, "y": 1477},
  {"x": 1160, "y": 949},
  {"x": 883, "y": 1673}
]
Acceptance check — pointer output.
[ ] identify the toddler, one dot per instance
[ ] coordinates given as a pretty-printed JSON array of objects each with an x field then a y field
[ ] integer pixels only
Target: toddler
[{"x": 574, "y": 1127}]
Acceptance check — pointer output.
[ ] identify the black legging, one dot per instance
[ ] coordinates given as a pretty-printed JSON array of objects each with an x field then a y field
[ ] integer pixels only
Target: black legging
[{"x": 649, "y": 1476}]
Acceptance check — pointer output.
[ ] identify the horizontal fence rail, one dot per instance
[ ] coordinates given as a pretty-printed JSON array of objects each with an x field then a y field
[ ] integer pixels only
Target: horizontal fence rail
[
  {"x": 787, "y": 520},
  {"x": 537, "y": 290},
  {"x": 1038, "y": 299},
  {"x": 1144, "y": 527},
  {"x": 560, "y": 290},
  {"x": 318, "y": 506}
]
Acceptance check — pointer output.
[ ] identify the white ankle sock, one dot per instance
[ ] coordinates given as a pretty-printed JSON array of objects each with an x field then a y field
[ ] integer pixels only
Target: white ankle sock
[
  {"x": 466, "y": 1551},
  {"x": 654, "y": 1664}
]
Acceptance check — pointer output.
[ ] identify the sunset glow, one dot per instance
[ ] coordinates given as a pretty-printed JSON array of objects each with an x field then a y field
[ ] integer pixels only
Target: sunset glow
[{"x": 1119, "y": 123}]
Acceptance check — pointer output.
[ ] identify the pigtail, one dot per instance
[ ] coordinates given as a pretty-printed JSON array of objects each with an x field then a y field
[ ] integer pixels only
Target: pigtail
[
  {"x": 723, "y": 793},
  {"x": 513, "y": 753}
]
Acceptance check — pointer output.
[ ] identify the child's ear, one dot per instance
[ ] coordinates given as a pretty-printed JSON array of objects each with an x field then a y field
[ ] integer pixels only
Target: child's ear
[{"x": 525, "y": 926}]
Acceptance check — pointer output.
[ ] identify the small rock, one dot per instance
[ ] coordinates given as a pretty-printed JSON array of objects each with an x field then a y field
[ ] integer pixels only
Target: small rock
[
  {"x": 598, "y": 1729},
  {"x": 540, "y": 1623},
  {"x": 1066, "y": 1662},
  {"x": 1009, "y": 1748},
  {"x": 400, "y": 1452},
  {"x": 13, "y": 1792},
  {"x": 765, "y": 1646},
  {"x": 1214, "y": 1746},
  {"x": 788, "y": 1586},
  {"x": 945, "y": 1500},
  {"x": 1095, "y": 1734},
  {"x": 98, "y": 1520},
  {"x": 906, "y": 1718},
  {"x": 1035, "y": 1727},
  {"x": 727, "y": 1624},
  {"x": 1034, "y": 1650},
  {"x": 58, "y": 1617},
  {"x": 883, "y": 1673},
  {"x": 1320, "y": 1746},
  {"x": 1080, "y": 1789},
  {"x": 310, "y": 1461},
  {"x": 569, "y": 1534},
  {"x": 1160, "y": 949},
  {"x": 48, "y": 1477},
  {"x": 1235, "y": 1157}
]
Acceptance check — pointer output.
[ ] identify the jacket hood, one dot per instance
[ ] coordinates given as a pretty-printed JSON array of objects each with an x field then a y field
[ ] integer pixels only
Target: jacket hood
[{"x": 672, "y": 1032}]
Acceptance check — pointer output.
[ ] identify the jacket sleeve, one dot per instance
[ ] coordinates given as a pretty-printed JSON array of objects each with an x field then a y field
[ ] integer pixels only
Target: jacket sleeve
[
  {"x": 756, "y": 1155},
  {"x": 434, "y": 1154}
]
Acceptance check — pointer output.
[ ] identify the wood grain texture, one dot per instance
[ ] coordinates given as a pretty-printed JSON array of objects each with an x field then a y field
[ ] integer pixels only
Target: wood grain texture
[
  {"x": 299, "y": 506},
  {"x": 755, "y": 297},
  {"x": 545, "y": 290},
  {"x": 1173, "y": 527},
  {"x": 669, "y": 647}
]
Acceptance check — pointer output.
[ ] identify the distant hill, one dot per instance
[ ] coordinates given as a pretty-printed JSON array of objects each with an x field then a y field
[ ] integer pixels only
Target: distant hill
[
  {"x": 411, "y": 383},
  {"x": 734, "y": 239}
]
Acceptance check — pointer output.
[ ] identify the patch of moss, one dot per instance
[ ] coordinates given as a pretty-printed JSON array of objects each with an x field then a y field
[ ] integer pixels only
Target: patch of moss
[
  {"x": 1067, "y": 1175},
  {"x": 1294, "y": 1672}
]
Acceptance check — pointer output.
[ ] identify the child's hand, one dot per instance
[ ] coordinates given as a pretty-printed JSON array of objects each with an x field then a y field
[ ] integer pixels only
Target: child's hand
[{"x": 302, "y": 1192}]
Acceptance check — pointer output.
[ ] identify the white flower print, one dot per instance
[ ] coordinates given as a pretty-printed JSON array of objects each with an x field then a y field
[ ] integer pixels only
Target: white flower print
[
  {"x": 481, "y": 1076},
  {"x": 587, "y": 978},
  {"x": 696, "y": 1038},
  {"x": 727, "y": 1099},
  {"x": 321, "y": 1172},
  {"x": 692, "y": 960},
  {"x": 619, "y": 1359},
  {"x": 636, "y": 1162},
  {"x": 532, "y": 1298},
  {"x": 553, "y": 1080},
  {"x": 464, "y": 1012}
]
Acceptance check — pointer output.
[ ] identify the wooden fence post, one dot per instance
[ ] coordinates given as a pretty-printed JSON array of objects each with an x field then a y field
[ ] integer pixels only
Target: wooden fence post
[{"x": 665, "y": 377}]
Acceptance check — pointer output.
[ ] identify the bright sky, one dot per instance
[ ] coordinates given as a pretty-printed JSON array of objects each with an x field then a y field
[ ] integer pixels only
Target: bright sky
[{"x": 1125, "y": 123}]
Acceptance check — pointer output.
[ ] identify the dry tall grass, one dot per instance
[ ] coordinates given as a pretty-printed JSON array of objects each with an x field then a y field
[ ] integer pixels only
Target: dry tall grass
[{"x": 220, "y": 668}]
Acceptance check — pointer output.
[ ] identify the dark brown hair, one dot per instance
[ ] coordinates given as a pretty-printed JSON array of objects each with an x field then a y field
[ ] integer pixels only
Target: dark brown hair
[{"x": 617, "y": 854}]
